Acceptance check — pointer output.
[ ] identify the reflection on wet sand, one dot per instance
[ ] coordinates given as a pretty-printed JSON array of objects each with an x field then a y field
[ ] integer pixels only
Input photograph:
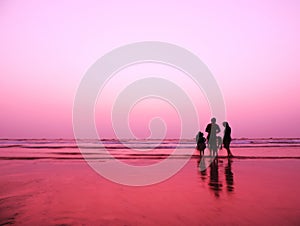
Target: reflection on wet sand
[
  {"x": 229, "y": 176},
  {"x": 215, "y": 166}
]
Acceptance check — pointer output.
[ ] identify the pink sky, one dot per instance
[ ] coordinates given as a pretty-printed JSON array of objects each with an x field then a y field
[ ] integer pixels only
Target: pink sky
[{"x": 251, "y": 47}]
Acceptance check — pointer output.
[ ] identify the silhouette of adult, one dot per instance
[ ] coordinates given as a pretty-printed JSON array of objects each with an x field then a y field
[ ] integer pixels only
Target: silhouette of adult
[
  {"x": 212, "y": 130},
  {"x": 227, "y": 138}
]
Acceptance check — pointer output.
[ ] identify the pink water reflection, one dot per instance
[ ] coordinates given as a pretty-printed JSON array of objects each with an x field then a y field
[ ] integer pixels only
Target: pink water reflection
[{"x": 243, "y": 192}]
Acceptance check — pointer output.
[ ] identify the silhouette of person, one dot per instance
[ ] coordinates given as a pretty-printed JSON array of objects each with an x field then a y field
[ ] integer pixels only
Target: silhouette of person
[
  {"x": 219, "y": 142},
  {"x": 227, "y": 138},
  {"x": 200, "y": 143},
  {"x": 212, "y": 130}
]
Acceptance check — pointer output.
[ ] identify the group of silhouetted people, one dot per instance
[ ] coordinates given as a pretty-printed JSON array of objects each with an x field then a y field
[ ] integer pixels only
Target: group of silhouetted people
[{"x": 213, "y": 140}]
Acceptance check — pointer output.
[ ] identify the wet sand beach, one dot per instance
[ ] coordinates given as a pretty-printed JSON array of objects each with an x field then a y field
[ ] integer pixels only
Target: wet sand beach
[{"x": 258, "y": 190}]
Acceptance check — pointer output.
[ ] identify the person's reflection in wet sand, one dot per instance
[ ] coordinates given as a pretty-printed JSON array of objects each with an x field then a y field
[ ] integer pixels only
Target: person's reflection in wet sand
[
  {"x": 214, "y": 182},
  {"x": 202, "y": 168},
  {"x": 229, "y": 176}
]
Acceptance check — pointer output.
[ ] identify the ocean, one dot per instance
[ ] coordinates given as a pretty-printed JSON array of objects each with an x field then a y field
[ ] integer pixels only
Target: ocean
[{"x": 68, "y": 149}]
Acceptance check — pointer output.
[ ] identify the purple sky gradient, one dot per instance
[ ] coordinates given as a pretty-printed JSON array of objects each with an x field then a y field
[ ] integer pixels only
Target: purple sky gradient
[{"x": 251, "y": 47}]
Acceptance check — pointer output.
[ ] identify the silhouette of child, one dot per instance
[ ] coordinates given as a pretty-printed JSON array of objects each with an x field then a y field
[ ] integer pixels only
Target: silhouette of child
[
  {"x": 219, "y": 142},
  {"x": 200, "y": 143}
]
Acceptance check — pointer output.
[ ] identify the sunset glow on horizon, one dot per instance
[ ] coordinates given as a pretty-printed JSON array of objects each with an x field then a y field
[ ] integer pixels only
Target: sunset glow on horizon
[{"x": 251, "y": 47}]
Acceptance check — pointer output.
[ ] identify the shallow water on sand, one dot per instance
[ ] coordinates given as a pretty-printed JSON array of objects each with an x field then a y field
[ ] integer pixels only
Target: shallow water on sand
[
  {"x": 48, "y": 186},
  {"x": 68, "y": 149}
]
